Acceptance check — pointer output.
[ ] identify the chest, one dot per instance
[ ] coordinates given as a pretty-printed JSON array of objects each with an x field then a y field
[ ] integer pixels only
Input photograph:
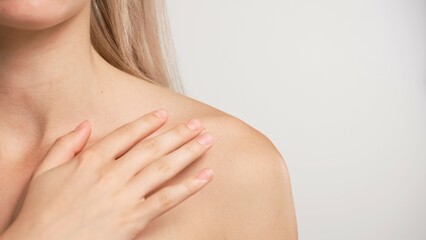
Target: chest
[
  {"x": 16, "y": 168},
  {"x": 186, "y": 222},
  {"x": 192, "y": 219},
  {"x": 13, "y": 180}
]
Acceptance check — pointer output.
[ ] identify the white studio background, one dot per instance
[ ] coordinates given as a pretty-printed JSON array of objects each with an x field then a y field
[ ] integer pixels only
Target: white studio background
[{"x": 339, "y": 86}]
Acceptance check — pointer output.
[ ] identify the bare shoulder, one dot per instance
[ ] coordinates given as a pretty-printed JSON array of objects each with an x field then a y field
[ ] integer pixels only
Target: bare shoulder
[
  {"x": 250, "y": 195},
  {"x": 252, "y": 180},
  {"x": 251, "y": 192}
]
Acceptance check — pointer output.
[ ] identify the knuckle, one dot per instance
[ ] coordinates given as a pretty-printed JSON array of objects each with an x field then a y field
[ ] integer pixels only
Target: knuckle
[
  {"x": 135, "y": 225},
  {"x": 164, "y": 199},
  {"x": 107, "y": 179},
  {"x": 127, "y": 130},
  {"x": 191, "y": 150},
  {"x": 151, "y": 119},
  {"x": 181, "y": 130},
  {"x": 123, "y": 130},
  {"x": 188, "y": 188},
  {"x": 62, "y": 141},
  {"x": 162, "y": 165},
  {"x": 91, "y": 154},
  {"x": 151, "y": 146}
]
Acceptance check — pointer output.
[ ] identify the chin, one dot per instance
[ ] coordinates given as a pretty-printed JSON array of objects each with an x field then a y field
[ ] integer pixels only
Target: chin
[{"x": 37, "y": 14}]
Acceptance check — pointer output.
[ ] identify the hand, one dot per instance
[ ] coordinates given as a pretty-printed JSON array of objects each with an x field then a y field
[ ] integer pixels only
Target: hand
[{"x": 100, "y": 192}]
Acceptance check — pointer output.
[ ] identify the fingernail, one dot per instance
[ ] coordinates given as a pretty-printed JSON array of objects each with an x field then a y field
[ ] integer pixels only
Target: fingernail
[
  {"x": 80, "y": 126},
  {"x": 161, "y": 114},
  {"x": 194, "y": 124},
  {"x": 204, "y": 139},
  {"x": 205, "y": 175}
]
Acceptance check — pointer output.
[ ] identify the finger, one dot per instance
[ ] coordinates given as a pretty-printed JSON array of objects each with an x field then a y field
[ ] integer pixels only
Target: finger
[
  {"x": 161, "y": 170},
  {"x": 126, "y": 136},
  {"x": 65, "y": 148},
  {"x": 144, "y": 152},
  {"x": 167, "y": 198}
]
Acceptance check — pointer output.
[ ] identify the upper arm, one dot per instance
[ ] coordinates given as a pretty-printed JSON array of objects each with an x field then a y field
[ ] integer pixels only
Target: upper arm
[{"x": 256, "y": 200}]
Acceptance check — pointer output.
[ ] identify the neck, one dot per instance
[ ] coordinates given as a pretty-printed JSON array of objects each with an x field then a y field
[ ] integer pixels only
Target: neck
[{"x": 47, "y": 76}]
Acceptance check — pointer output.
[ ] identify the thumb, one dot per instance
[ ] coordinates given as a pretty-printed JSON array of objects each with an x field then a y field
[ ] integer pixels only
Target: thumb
[{"x": 65, "y": 148}]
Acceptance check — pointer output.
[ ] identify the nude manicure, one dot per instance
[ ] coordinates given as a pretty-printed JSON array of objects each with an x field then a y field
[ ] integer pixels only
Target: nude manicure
[
  {"x": 161, "y": 114},
  {"x": 204, "y": 175},
  {"x": 205, "y": 139},
  {"x": 194, "y": 124}
]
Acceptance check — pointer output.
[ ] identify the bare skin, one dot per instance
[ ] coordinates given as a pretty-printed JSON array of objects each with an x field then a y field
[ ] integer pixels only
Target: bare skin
[
  {"x": 114, "y": 185},
  {"x": 51, "y": 79}
]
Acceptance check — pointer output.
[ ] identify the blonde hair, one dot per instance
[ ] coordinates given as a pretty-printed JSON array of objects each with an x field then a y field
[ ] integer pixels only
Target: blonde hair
[{"x": 134, "y": 36}]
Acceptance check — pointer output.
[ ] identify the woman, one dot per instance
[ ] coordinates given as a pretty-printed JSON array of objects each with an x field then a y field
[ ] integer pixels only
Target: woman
[{"x": 63, "y": 62}]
